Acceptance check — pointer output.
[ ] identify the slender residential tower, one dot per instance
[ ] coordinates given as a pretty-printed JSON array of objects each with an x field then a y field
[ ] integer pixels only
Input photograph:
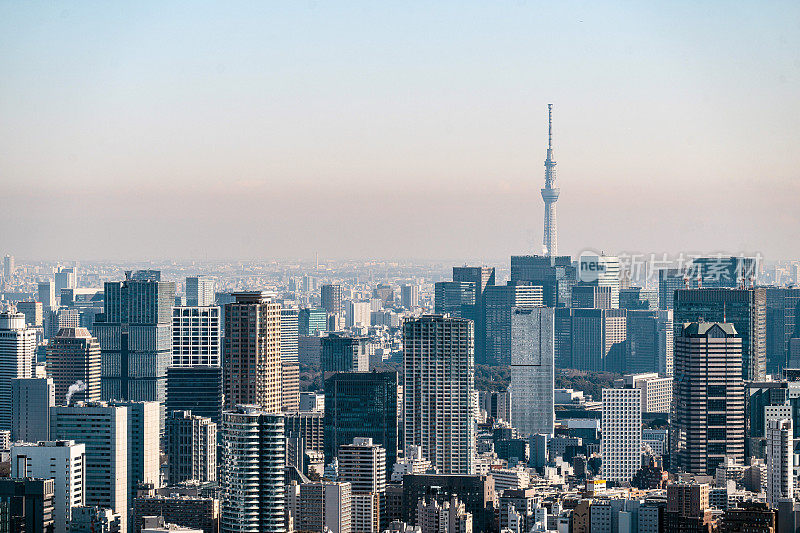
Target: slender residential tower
[{"x": 550, "y": 193}]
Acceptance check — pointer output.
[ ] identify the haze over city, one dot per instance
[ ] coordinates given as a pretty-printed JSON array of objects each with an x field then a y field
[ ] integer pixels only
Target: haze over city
[{"x": 259, "y": 130}]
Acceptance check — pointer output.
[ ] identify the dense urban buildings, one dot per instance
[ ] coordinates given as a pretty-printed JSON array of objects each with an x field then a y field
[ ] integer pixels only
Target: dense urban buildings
[
  {"x": 17, "y": 349},
  {"x": 73, "y": 358}
]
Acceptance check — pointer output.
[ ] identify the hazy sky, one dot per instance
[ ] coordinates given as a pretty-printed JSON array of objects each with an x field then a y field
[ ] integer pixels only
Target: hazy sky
[{"x": 131, "y": 130}]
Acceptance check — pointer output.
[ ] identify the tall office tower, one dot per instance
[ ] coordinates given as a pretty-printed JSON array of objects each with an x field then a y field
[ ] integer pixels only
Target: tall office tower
[
  {"x": 197, "y": 389},
  {"x": 455, "y": 298},
  {"x": 597, "y": 338},
  {"x": 409, "y": 296},
  {"x": 253, "y": 351},
  {"x": 200, "y": 291},
  {"x": 31, "y": 400},
  {"x": 191, "y": 447},
  {"x": 602, "y": 271},
  {"x": 312, "y": 321},
  {"x": 591, "y": 297},
  {"x": 73, "y": 360},
  {"x": 135, "y": 337},
  {"x": 500, "y": 300},
  {"x": 61, "y": 460},
  {"x": 252, "y": 472},
  {"x": 363, "y": 465},
  {"x": 563, "y": 337},
  {"x": 290, "y": 359},
  {"x": 638, "y": 299},
  {"x": 65, "y": 279},
  {"x": 555, "y": 274},
  {"x": 9, "y": 267},
  {"x": 481, "y": 278},
  {"x": 650, "y": 342},
  {"x": 331, "y": 299},
  {"x": 550, "y": 193},
  {"x": 780, "y": 460},
  {"x": 104, "y": 431},
  {"x": 17, "y": 358},
  {"x": 669, "y": 281},
  {"x": 26, "y": 505},
  {"x": 621, "y": 442},
  {"x": 343, "y": 353},
  {"x": 438, "y": 390},
  {"x": 783, "y": 324},
  {"x": 357, "y": 313},
  {"x": 708, "y": 397},
  {"x": 322, "y": 507},
  {"x": 144, "y": 431},
  {"x": 448, "y": 516},
  {"x": 532, "y": 370},
  {"x": 196, "y": 336},
  {"x": 744, "y": 308},
  {"x": 34, "y": 313},
  {"x": 361, "y": 404},
  {"x": 731, "y": 272},
  {"x": 47, "y": 294}
]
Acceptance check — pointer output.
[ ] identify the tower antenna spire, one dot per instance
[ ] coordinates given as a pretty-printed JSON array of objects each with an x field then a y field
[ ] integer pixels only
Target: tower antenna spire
[
  {"x": 549, "y": 126},
  {"x": 550, "y": 193}
]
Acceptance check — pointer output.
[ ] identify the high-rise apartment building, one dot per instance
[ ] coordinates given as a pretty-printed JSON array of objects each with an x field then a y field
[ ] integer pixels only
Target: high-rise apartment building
[
  {"x": 322, "y": 506},
  {"x": 744, "y": 308},
  {"x": 73, "y": 360},
  {"x": 621, "y": 424},
  {"x": 31, "y": 400},
  {"x": 104, "y": 431},
  {"x": 499, "y": 302},
  {"x": 780, "y": 460},
  {"x": 361, "y": 405},
  {"x": 438, "y": 390},
  {"x": 253, "y": 351},
  {"x": 708, "y": 397},
  {"x": 64, "y": 461},
  {"x": 331, "y": 299},
  {"x": 344, "y": 353},
  {"x": 252, "y": 472},
  {"x": 363, "y": 465},
  {"x": 17, "y": 358},
  {"x": 290, "y": 360},
  {"x": 197, "y": 389},
  {"x": 196, "y": 336},
  {"x": 191, "y": 447},
  {"x": 199, "y": 291},
  {"x": 135, "y": 337},
  {"x": 532, "y": 370}
]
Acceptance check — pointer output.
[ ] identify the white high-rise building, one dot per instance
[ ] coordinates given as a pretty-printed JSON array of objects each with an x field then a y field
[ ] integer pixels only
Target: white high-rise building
[
  {"x": 196, "y": 336},
  {"x": 199, "y": 291},
  {"x": 780, "y": 460},
  {"x": 31, "y": 400},
  {"x": 324, "y": 507},
  {"x": 47, "y": 294},
  {"x": 439, "y": 385},
  {"x": 65, "y": 462},
  {"x": 144, "y": 430},
  {"x": 289, "y": 334},
  {"x": 656, "y": 391},
  {"x": 602, "y": 271},
  {"x": 252, "y": 473},
  {"x": 363, "y": 465},
  {"x": 104, "y": 431},
  {"x": 621, "y": 425},
  {"x": 532, "y": 370},
  {"x": 17, "y": 358},
  {"x": 357, "y": 313}
]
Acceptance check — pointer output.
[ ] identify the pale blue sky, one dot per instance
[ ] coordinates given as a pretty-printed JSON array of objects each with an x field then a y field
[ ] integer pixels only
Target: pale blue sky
[{"x": 403, "y": 129}]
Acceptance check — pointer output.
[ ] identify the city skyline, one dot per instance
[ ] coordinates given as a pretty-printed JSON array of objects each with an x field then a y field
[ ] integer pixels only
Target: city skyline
[{"x": 365, "y": 117}]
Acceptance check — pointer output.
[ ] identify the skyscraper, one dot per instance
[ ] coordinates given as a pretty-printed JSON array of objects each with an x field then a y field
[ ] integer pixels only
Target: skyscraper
[
  {"x": 597, "y": 338},
  {"x": 363, "y": 465},
  {"x": 780, "y": 460},
  {"x": 104, "y": 431},
  {"x": 31, "y": 401},
  {"x": 191, "y": 447},
  {"x": 550, "y": 193},
  {"x": 344, "y": 353},
  {"x": 65, "y": 279},
  {"x": 17, "y": 357},
  {"x": 744, "y": 308},
  {"x": 783, "y": 325},
  {"x": 290, "y": 363},
  {"x": 649, "y": 342},
  {"x": 600, "y": 270},
  {"x": 621, "y": 423},
  {"x": 47, "y": 294},
  {"x": 409, "y": 296},
  {"x": 708, "y": 396},
  {"x": 135, "y": 338},
  {"x": 65, "y": 462},
  {"x": 196, "y": 336},
  {"x": 199, "y": 291},
  {"x": 669, "y": 281},
  {"x": 312, "y": 321},
  {"x": 331, "y": 298},
  {"x": 361, "y": 404},
  {"x": 500, "y": 300},
  {"x": 555, "y": 274},
  {"x": 731, "y": 272},
  {"x": 253, "y": 351},
  {"x": 73, "y": 359},
  {"x": 143, "y": 437},
  {"x": 252, "y": 472},
  {"x": 439, "y": 374},
  {"x": 481, "y": 278},
  {"x": 197, "y": 389},
  {"x": 532, "y": 370},
  {"x": 26, "y": 505},
  {"x": 9, "y": 267}
]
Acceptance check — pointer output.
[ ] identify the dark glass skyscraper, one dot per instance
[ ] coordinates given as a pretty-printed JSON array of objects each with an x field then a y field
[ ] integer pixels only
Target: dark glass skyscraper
[
  {"x": 481, "y": 278},
  {"x": 361, "y": 404},
  {"x": 783, "y": 324},
  {"x": 197, "y": 389},
  {"x": 135, "y": 337},
  {"x": 731, "y": 272},
  {"x": 555, "y": 274}
]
